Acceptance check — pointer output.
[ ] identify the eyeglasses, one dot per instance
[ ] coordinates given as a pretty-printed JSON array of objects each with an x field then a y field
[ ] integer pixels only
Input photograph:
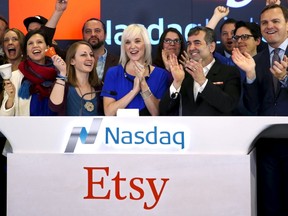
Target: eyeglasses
[
  {"x": 170, "y": 41},
  {"x": 243, "y": 37}
]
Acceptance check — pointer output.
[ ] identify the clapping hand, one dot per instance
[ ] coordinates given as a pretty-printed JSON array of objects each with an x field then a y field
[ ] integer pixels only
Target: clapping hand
[
  {"x": 279, "y": 70},
  {"x": 245, "y": 62}
]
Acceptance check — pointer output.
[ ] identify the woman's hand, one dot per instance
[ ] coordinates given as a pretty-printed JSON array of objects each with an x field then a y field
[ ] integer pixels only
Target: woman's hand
[{"x": 60, "y": 64}]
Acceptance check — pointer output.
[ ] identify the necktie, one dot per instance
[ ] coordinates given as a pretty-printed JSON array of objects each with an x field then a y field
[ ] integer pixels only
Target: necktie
[{"x": 275, "y": 57}]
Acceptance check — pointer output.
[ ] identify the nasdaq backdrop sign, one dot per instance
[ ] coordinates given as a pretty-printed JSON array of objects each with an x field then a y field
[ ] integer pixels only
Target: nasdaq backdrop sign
[{"x": 182, "y": 15}]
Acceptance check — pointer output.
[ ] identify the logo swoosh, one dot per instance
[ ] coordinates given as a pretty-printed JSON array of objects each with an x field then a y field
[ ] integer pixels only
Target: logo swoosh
[{"x": 81, "y": 132}]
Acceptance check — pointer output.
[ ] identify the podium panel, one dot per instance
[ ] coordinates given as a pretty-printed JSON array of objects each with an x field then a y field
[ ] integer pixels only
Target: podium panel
[
  {"x": 134, "y": 166},
  {"x": 128, "y": 184}
]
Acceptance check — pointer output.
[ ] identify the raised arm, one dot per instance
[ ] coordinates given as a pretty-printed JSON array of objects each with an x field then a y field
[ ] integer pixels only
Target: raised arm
[
  {"x": 219, "y": 13},
  {"x": 60, "y": 7}
]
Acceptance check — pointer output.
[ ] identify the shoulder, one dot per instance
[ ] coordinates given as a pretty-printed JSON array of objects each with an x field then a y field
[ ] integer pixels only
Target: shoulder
[
  {"x": 17, "y": 75},
  {"x": 115, "y": 70},
  {"x": 111, "y": 57},
  {"x": 263, "y": 54},
  {"x": 158, "y": 71},
  {"x": 227, "y": 70}
]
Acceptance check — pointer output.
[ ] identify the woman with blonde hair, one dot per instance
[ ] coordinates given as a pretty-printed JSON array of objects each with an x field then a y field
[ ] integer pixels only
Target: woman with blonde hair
[{"x": 138, "y": 84}]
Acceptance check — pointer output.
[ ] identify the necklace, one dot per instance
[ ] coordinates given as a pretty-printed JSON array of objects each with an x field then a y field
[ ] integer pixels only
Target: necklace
[
  {"x": 132, "y": 80},
  {"x": 89, "y": 106}
]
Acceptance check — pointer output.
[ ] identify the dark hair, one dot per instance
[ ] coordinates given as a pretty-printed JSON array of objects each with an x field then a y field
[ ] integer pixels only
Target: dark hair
[
  {"x": 158, "y": 61},
  {"x": 5, "y": 21},
  {"x": 227, "y": 21},
  {"x": 30, "y": 34},
  {"x": 210, "y": 35},
  {"x": 272, "y": 6},
  {"x": 91, "y": 19},
  {"x": 253, "y": 27},
  {"x": 93, "y": 77}
]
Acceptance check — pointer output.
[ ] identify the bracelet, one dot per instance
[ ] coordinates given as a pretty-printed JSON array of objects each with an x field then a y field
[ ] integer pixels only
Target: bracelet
[
  {"x": 146, "y": 94},
  {"x": 60, "y": 77},
  {"x": 59, "y": 83}
]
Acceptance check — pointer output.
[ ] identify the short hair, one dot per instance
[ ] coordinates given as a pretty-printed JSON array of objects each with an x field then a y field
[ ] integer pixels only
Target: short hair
[
  {"x": 253, "y": 27},
  {"x": 273, "y": 6},
  {"x": 132, "y": 31},
  {"x": 71, "y": 73},
  {"x": 5, "y": 21},
  {"x": 30, "y": 34},
  {"x": 227, "y": 21},
  {"x": 209, "y": 37},
  {"x": 158, "y": 61},
  {"x": 95, "y": 19}
]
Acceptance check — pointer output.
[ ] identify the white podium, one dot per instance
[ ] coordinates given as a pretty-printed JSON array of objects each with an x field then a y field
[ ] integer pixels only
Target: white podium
[{"x": 132, "y": 166}]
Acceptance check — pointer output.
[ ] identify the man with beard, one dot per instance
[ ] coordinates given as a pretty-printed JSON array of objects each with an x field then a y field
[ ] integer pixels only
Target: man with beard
[
  {"x": 206, "y": 87},
  {"x": 94, "y": 32}
]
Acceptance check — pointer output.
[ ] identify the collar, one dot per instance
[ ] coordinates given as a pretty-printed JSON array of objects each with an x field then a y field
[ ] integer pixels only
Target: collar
[
  {"x": 208, "y": 67},
  {"x": 282, "y": 46},
  {"x": 102, "y": 58}
]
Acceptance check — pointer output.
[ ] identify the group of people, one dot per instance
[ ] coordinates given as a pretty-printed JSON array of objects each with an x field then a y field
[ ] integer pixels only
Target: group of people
[{"x": 246, "y": 77}]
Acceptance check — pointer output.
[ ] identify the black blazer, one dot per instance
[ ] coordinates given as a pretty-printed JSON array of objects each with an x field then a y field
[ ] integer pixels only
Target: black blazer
[
  {"x": 111, "y": 60},
  {"x": 219, "y": 97},
  {"x": 260, "y": 97}
]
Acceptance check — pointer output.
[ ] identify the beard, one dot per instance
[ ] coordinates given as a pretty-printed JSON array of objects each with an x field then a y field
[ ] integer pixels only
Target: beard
[{"x": 96, "y": 45}]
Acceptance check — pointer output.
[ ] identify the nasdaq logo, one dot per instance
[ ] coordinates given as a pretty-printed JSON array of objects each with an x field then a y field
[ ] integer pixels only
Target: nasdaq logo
[
  {"x": 141, "y": 137},
  {"x": 85, "y": 137},
  {"x": 237, "y": 3}
]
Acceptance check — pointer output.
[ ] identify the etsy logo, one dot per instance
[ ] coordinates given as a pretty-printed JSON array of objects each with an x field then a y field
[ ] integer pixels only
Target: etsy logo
[{"x": 70, "y": 25}]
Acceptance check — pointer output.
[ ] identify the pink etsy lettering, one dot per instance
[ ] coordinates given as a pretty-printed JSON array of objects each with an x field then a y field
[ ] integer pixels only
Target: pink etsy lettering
[{"x": 101, "y": 185}]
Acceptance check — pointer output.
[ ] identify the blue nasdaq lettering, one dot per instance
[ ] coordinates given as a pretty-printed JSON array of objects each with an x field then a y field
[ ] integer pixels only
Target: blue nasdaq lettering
[{"x": 152, "y": 137}]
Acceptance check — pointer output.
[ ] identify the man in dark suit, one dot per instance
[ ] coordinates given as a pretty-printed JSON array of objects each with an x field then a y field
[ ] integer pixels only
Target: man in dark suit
[
  {"x": 94, "y": 32},
  {"x": 266, "y": 93},
  {"x": 207, "y": 87}
]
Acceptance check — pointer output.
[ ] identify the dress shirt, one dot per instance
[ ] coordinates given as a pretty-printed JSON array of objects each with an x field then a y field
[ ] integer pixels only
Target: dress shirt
[
  {"x": 101, "y": 64},
  {"x": 197, "y": 87}
]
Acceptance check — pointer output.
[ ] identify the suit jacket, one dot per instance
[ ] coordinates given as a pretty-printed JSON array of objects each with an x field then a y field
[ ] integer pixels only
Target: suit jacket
[
  {"x": 219, "y": 97},
  {"x": 111, "y": 60},
  {"x": 260, "y": 97}
]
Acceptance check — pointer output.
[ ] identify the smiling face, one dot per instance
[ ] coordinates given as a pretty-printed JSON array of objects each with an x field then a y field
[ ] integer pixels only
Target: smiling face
[
  {"x": 197, "y": 48},
  {"x": 83, "y": 61},
  {"x": 249, "y": 45},
  {"x": 36, "y": 47},
  {"x": 12, "y": 47},
  {"x": 135, "y": 48},
  {"x": 273, "y": 27}
]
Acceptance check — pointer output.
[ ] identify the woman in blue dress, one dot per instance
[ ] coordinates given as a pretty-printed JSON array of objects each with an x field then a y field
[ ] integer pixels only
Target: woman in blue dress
[{"x": 136, "y": 83}]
